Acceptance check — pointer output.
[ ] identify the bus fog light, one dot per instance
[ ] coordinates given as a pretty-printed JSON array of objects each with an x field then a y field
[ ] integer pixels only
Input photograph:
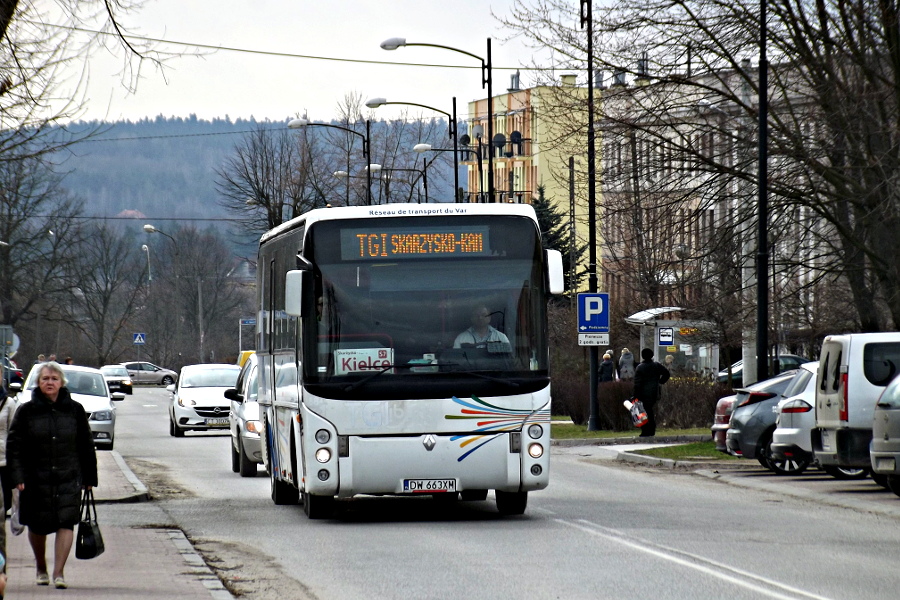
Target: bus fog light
[
  {"x": 535, "y": 431},
  {"x": 536, "y": 470},
  {"x": 535, "y": 451},
  {"x": 323, "y": 455},
  {"x": 323, "y": 436},
  {"x": 324, "y": 475}
]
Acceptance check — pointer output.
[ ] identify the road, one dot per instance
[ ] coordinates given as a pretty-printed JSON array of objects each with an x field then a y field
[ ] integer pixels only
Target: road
[{"x": 601, "y": 530}]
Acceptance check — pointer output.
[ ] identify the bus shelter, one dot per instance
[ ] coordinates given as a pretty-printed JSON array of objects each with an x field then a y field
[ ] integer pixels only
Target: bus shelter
[{"x": 681, "y": 345}]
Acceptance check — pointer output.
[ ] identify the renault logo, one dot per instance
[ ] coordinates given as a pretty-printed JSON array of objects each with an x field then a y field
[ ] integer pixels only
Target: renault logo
[{"x": 429, "y": 442}]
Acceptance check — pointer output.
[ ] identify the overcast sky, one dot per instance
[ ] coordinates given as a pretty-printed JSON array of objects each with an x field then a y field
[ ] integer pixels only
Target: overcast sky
[{"x": 243, "y": 84}]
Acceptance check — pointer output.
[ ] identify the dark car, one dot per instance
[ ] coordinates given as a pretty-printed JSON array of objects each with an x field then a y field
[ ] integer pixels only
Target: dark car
[
  {"x": 753, "y": 417},
  {"x": 786, "y": 362},
  {"x": 117, "y": 378}
]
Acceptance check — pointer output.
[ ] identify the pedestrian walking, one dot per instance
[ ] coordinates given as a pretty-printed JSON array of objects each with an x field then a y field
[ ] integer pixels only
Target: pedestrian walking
[
  {"x": 648, "y": 377},
  {"x": 626, "y": 364},
  {"x": 607, "y": 371},
  {"x": 51, "y": 457},
  {"x": 7, "y": 410}
]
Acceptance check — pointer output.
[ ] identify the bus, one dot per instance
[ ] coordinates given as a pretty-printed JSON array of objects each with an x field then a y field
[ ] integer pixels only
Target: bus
[{"x": 375, "y": 378}]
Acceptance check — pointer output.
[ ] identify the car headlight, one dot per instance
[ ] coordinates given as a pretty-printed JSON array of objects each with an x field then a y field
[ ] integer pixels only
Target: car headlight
[
  {"x": 102, "y": 415},
  {"x": 254, "y": 427},
  {"x": 126, "y": 383},
  {"x": 186, "y": 402}
]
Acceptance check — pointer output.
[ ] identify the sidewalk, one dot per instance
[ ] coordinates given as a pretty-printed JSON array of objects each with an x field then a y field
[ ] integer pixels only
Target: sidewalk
[{"x": 137, "y": 564}]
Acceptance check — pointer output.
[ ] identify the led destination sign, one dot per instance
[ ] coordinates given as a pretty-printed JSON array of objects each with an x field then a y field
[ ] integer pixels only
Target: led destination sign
[{"x": 424, "y": 242}]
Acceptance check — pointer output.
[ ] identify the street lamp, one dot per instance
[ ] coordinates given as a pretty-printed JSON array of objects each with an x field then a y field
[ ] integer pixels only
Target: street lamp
[
  {"x": 146, "y": 249},
  {"x": 301, "y": 123},
  {"x": 376, "y": 102},
  {"x": 486, "y": 80},
  {"x": 455, "y": 150}
]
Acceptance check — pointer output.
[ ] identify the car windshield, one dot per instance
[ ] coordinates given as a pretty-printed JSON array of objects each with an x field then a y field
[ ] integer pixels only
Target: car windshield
[
  {"x": 89, "y": 384},
  {"x": 210, "y": 378},
  {"x": 115, "y": 371}
]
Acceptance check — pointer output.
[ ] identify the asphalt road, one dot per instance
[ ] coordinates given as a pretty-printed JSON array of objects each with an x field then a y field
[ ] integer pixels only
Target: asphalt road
[{"x": 603, "y": 529}]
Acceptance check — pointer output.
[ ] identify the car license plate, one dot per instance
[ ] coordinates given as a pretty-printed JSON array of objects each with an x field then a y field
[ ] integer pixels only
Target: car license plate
[
  {"x": 428, "y": 486},
  {"x": 826, "y": 440},
  {"x": 217, "y": 422}
]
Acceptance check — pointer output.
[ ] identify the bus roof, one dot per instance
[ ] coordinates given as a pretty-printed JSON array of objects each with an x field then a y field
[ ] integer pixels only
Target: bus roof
[{"x": 400, "y": 210}]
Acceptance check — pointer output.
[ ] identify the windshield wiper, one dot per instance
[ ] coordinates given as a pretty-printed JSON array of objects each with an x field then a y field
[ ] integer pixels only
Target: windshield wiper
[
  {"x": 372, "y": 376},
  {"x": 476, "y": 374}
]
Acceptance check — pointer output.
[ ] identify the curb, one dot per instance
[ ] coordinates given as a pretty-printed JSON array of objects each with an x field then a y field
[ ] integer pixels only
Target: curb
[
  {"x": 141, "y": 493},
  {"x": 197, "y": 566}
]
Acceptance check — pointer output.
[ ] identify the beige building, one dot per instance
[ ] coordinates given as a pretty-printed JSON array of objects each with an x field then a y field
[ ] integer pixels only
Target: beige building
[{"x": 536, "y": 131}]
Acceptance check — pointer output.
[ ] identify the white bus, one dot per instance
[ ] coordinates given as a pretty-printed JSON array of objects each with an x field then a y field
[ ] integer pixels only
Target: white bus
[{"x": 375, "y": 380}]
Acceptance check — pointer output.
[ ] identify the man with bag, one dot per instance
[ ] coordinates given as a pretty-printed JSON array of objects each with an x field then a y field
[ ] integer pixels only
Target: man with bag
[{"x": 648, "y": 377}]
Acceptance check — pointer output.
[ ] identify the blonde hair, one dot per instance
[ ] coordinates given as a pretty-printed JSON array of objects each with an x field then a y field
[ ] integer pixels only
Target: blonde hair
[{"x": 607, "y": 355}]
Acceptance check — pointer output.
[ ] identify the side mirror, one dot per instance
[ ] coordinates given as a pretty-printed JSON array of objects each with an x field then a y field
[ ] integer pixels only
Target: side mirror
[
  {"x": 170, "y": 388},
  {"x": 233, "y": 395},
  {"x": 555, "y": 279},
  {"x": 293, "y": 292},
  {"x": 15, "y": 387},
  {"x": 118, "y": 396}
]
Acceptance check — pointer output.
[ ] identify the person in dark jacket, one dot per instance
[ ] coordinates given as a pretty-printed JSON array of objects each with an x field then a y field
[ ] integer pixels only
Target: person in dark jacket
[
  {"x": 50, "y": 451},
  {"x": 648, "y": 377},
  {"x": 607, "y": 371}
]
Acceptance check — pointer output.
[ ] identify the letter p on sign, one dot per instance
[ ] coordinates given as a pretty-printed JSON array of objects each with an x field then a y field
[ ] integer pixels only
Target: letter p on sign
[{"x": 592, "y": 308}]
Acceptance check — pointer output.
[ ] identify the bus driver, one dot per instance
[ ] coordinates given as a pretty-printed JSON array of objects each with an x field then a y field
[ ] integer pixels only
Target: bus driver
[{"x": 481, "y": 332}]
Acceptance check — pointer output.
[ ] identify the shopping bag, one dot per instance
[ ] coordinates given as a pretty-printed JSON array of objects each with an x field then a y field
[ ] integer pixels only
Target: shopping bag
[
  {"x": 15, "y": 526},
  {"x": 88, "y": 542},
  {"x": 638, "y": 414}
]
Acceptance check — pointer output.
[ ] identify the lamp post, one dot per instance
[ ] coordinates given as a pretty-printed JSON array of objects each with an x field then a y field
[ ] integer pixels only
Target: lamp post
[
  {"x": 486, "y": 80},
  {"x": 762, "y": 241},
  {"x": 429, "y": 148},
  {"x": 151, "y": 229},
  {"x": 300, "y": 123},
  {"x": 146, "y": 249},
  {"x": 587, "y": 19},
  {"x": 376, "y": 102},
  {"x": 422, "y": 172}
]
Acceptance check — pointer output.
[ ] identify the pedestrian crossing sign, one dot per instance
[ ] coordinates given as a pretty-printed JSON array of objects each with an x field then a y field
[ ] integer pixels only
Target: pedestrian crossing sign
[{"x": 139, "y": 338}]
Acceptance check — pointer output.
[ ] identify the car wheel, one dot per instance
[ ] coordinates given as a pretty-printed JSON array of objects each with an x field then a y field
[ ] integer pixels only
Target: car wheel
[
  {"x": 790, "y": 466},
  {"x": 844, "y": 473},
  {"x": 246, "y": 466},
  {"x": 235, "y": 461},
  {"x": 894, "y": 483},
  {"x": 176, "y": 430},
  {"x": 171, "y": 427},
  {"x": 167, "y": 380},
  {"x": 511, "y": 503},
  {"x": 881, "y": 480}
]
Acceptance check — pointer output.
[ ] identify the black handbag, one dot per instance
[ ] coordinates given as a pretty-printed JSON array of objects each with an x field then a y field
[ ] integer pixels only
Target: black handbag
[{"x": 89, "y": 541}]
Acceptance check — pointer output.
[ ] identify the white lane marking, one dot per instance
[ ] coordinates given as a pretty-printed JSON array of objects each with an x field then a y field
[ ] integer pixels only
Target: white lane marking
[{"x": 710, "y": 567}]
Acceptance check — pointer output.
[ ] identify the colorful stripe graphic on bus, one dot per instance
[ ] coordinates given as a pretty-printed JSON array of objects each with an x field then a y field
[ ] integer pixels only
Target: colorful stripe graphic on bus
[{"x": 490, "y": 420}]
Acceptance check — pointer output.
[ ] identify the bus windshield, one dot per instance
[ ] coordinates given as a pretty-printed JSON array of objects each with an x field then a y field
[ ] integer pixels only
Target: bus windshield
[{"x": 405, "y": 300}]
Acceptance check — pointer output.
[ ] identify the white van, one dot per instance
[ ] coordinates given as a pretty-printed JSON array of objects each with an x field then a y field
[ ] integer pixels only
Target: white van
[{"x": 853, "y": 371}]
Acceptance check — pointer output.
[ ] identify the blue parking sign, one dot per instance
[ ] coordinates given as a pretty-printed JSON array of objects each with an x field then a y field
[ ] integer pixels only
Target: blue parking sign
[{"x": 593, "y": 312}]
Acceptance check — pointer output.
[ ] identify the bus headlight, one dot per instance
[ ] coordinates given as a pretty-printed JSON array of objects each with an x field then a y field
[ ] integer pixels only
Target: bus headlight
[
  {"x": 323, "y": 436},
  {"x": 535, "y": 450},
  {"x": 323, "y": 455},
  {"x": 535, "y": 431}
]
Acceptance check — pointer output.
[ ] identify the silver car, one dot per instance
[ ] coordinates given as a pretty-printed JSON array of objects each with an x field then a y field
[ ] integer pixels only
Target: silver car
[
  {"x": 246, "y": 450},
  {"x": 884, "y": 451},
  {"x": 198, "y": 402},
  {"x": 87, "y": 387},
  {"x": 148, "y": 373}
]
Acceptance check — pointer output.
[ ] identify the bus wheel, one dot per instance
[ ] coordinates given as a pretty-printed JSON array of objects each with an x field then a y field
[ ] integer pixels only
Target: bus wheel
[
  {"x": 511, "y": 503},
  {"x": 318, "y": 507},
  {"x": 283, "y": 492}
]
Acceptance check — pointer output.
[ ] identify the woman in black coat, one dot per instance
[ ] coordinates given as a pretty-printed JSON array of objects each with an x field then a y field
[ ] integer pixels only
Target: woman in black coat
[{"x": 50, "y": 451}]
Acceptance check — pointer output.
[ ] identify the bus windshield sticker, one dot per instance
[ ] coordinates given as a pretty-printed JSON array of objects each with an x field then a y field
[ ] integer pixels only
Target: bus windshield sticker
[{"x": 362, "y": 360}]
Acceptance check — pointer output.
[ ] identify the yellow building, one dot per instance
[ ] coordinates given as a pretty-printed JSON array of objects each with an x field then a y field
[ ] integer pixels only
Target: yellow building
[{"x": 536, "y": 132}]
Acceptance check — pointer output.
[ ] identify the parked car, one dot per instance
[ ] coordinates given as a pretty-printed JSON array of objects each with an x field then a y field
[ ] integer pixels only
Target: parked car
[
  {"x": 884, "y": 452},
  {"x": 117, "y": 378},
  {"x": 752, "y": 420},
  {"x": 198, "y": 400},
  {"x": 11, "y": 372},
  {"x": 246, "y": 449},
  {"x": 144, "y": 372},
  {"x": 87, "y": 387},
  {"x": 854, "y": 369},
  {"x": 786, "y": 362},
  {"x": 722, "y": 417}
]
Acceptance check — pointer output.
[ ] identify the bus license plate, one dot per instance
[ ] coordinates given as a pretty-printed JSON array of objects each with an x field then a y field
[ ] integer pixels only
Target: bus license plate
[
  {"x": 217, "y": 422},
  {"x": 428, "y": 486}
]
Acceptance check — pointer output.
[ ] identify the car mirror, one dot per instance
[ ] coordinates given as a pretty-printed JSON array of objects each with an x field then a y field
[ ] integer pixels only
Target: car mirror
[
  {"x": 15, "y": 387},
  {"x": 117, "y": 396},
  {"x": 234, "y": 395},
  {"x": 170, "y": 388}
]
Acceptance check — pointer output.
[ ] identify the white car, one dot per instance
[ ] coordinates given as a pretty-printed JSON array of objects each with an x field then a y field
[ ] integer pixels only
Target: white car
[
  {"x": 87, "y": 387},
  {"x": 198, "y": 400}
]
